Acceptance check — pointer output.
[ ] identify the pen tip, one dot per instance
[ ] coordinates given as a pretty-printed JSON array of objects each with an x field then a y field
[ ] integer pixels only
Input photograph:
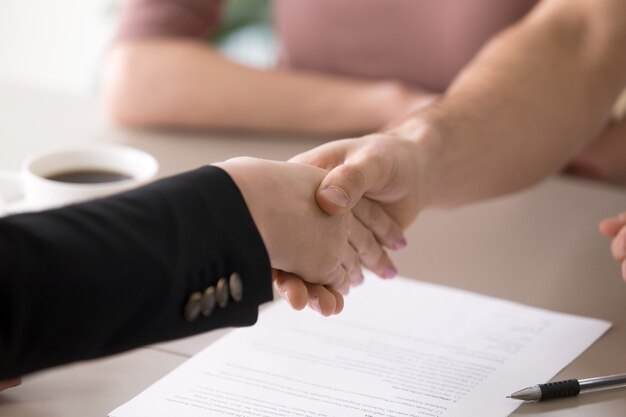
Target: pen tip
[{"x": 508, "y": 396}]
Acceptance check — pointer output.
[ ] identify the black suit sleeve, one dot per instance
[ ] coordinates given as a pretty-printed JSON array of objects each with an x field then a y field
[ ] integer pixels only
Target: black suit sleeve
[{"x": 109, "y": 275}]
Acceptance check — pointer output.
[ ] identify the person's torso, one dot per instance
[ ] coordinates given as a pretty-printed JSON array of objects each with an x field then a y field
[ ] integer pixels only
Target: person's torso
[{"x": 422, "y": 42}]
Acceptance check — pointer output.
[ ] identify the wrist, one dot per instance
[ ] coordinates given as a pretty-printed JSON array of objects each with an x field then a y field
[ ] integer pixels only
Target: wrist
[
  {"x": 427, "y": 151},
  {"x": 243, "y": 173}
]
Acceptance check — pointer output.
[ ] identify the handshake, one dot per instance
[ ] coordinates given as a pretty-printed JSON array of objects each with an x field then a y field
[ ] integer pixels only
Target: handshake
[
  {"x": 318, "y": 241},
  {"x": 335, "y": 209},
  {"x": 322, "y": 216}
]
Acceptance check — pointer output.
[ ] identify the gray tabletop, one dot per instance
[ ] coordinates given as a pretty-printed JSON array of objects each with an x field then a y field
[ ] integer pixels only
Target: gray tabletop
[{"x": 540, "y": 247}]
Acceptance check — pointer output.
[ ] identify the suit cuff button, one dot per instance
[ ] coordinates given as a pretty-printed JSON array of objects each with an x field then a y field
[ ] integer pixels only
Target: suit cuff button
[
  {"x": 193, "y": 307},
  {"x": 236, "y": 287},
  {"x": 222, "y": 293},
  {"x": 208, "y": 301}
]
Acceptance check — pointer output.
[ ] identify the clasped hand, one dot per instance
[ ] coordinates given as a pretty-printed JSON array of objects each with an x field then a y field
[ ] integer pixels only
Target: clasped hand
[{"x": 316, "y": 257}]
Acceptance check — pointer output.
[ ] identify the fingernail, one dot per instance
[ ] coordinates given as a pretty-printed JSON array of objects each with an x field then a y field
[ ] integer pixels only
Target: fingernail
[
  {"x": 314, "y": 303},
  {"x": 356, "y": 279},
  {"x": 390, "y": 272},
  {"x": 399, "y": 244},
  {"x": 335, "y": 195}
]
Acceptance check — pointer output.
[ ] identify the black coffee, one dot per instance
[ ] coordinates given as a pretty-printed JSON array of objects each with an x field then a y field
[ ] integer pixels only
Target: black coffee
[{"x": 85, "y": 176}]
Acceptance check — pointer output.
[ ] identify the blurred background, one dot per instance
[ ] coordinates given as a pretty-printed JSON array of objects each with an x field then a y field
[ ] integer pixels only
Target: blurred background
[{"x": 59, "y": 44}]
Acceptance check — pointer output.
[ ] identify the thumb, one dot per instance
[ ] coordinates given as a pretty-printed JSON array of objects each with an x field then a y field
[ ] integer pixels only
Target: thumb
[{"x": 342, "y": 188}]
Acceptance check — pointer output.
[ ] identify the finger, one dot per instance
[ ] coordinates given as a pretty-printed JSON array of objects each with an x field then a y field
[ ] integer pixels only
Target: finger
[
  {"x": 352, "y": 262},
  {"x": 624, "y": 270},
  {"x": 10, "y": 384},
  {"x": 345, "y": 184},
  {"x": 298, "y": 294},
  {"x": 609, "y": 227},
  {"x": 375, "y": 218},
  {"x": 618, "y": 246},
  {"x": 339, "y": 301},
  {"x": 342, "y": 188},
  {"x": 326, "y": 156},
  {"x": 353, "y": 266},
  {"x": 292, "y": 289},
  {"x": 323, "y": 300},
  {"x": 371, "y": 254},
  {"x": 339, "y": 278}
]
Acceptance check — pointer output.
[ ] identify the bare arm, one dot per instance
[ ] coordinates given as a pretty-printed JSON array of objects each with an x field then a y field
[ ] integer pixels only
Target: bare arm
[
  {"x": 531, "y": 99},
  {"x": 184, "y": 82}
]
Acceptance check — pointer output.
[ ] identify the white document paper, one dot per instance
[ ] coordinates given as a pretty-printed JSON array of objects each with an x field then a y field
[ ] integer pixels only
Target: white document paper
[{"x": 400, "y": 348}]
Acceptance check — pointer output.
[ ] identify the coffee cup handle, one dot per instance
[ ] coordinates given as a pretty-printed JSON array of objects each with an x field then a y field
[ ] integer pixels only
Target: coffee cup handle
[{"x": 12, "y": 202}]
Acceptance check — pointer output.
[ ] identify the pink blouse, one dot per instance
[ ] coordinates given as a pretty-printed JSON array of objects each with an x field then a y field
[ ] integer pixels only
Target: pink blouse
[{"x": 421, "y": 42}]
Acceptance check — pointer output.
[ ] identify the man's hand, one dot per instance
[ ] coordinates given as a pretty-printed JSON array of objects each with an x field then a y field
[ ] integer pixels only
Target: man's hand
[
  {"x": 384, "y": 168},
  {"x": 9, "y": 384}
]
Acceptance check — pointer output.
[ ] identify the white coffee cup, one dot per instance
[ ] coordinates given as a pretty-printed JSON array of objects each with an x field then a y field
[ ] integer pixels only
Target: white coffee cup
[{"x": 52, "y": 178}]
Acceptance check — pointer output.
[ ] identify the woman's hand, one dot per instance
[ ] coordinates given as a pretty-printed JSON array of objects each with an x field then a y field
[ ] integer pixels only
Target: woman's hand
[
  {"x": 298, "y": 293},
  {"x": 615, "y": 227},
  {"x": 299, "y": 237}
]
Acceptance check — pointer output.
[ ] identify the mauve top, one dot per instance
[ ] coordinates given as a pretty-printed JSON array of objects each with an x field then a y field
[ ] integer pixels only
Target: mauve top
[{"x": 420, "y": 42}]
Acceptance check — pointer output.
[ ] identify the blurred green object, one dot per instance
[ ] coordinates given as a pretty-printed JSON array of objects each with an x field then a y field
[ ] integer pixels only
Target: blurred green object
[{"x": 239, "y": 14}]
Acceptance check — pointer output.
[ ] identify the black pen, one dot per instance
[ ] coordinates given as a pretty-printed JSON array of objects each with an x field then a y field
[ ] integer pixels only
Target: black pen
[{"x": 568, "y": 388}]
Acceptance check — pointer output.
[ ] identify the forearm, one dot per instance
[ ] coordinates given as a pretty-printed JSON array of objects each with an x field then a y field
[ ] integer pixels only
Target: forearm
[
  {"x": 533, "y": 97},
  {"x": 185, "y": 83}
]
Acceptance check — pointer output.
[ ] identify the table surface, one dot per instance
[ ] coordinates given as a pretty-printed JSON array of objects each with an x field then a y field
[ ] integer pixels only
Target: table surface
[{"x": 540, "y": 247}]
